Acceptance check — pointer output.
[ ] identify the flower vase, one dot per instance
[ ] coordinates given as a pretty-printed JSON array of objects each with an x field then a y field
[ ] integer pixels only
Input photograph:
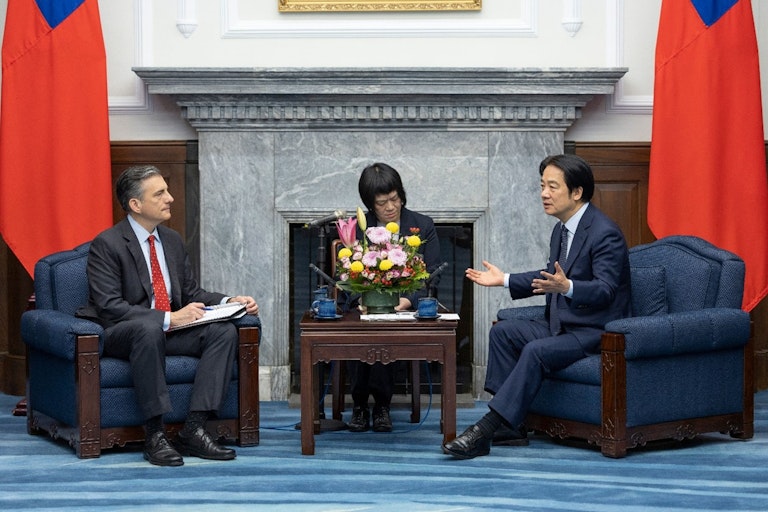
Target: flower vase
[{"x": 379, "y": 302}]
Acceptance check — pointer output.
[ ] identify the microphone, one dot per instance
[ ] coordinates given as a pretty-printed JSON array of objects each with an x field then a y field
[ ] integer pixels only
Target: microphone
[
  {"x": 328, "y": 218},
  {"x": 328, "y": 279},
  {"x": 436, "y": 273},
  {"x": 432, "y": 276}
]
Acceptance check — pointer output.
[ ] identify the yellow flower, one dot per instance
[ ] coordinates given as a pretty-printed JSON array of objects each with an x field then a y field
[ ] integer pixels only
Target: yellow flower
[
  {"x": 361, "y": 219},
  {"x": 385, "y": 265},
  {"x": 392, "y": 227},
  {"x": 413, "y": 241},
  {"x": 344, "y": 253},
  {"x": 356, "y": 266}
]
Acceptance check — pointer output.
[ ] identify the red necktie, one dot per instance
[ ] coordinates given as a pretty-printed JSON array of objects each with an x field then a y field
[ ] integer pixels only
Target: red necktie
[{"x": 158, "y": 283}]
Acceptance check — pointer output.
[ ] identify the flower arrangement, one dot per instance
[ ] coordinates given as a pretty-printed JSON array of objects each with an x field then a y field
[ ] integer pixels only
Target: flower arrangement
[{"x": 382, "y": 261}]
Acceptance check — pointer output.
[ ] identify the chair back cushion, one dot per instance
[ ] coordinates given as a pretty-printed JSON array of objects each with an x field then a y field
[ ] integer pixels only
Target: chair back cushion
[
  {"x": 61, "y": 282},
  {"x": 684, "y": 273},
  {"x": 649, "y": 290}
]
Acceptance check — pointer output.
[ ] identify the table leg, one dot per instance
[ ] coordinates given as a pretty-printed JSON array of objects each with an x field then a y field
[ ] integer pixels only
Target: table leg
[
  {"x": 308, "y": 402},
  {"x": 448, "y": 409},
  {"x": 337, "y": 385},
  {"x": 415, "y": 392}
]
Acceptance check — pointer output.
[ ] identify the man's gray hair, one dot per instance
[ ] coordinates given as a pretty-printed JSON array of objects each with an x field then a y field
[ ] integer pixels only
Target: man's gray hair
[{"x": 129, "y": 183}]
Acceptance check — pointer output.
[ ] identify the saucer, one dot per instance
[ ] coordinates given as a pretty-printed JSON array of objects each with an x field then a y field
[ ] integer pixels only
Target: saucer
[
  {"x": 335, "y": 317},
  {"x": 417, "y": 317}
]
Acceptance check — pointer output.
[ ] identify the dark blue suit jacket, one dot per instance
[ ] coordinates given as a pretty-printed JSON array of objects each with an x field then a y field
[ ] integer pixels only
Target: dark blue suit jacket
[{"x": 598, "y": 265}]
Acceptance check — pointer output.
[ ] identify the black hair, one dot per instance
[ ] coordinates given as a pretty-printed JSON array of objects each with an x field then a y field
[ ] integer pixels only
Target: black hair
[
  {"x": 576, "y": 171},
  {"x": 379, "y": 179}
]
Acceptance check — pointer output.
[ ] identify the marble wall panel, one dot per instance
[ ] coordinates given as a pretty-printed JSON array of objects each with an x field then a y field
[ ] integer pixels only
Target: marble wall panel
[{"x": 440, "y": 171}]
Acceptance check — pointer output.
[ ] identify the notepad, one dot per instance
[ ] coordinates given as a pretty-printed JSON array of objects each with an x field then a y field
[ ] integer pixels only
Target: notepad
[
  {"x": 216, "y": 313},
  {"x": 392, "y": 317}
]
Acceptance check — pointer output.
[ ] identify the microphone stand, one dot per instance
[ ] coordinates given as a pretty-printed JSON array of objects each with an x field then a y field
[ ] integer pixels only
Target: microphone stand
[
  {"x": 431, "y": 278},
  {"x": 326, "y": 424},
  {"x": 322, "y": 251}
]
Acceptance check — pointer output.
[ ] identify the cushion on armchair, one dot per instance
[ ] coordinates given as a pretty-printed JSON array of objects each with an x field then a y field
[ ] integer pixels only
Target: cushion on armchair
[
  {"x": 649, "y": 290},
  {"x": 61, "y": 282},
  {"x": 697, "y": 275},
  {"x": 524, "y": 312},
  {"x": 706, "y": 330},
  {"x": 55, "y": 332}
]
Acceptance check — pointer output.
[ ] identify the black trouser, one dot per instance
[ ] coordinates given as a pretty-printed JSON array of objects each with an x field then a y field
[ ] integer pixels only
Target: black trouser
[
  {"x": 375, "y": 379},
  {"x": 145, "y": 347}
]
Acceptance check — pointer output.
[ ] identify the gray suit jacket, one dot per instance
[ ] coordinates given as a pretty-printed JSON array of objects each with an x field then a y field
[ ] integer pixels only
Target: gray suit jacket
[{"x": 119, "y": 282}]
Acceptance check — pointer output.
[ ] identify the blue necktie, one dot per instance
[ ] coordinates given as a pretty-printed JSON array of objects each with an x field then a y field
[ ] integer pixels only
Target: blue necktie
[
  {"x": 563, "y": 245},
  {"x": 554, "y": 318}
]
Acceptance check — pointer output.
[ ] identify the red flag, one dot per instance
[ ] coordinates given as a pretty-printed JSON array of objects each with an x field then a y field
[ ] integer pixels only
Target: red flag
[
  {"x": 707, "y": 170},
  {"x": 55, "y": 177}
]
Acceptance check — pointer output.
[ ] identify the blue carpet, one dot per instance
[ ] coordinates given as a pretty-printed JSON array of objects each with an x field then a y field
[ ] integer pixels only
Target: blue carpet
[{"x": 403, "y": 471}]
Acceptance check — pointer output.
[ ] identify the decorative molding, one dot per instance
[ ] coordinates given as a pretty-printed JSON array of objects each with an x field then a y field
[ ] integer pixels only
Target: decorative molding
[
  {"x": 236, "y": 28},
  {"x": 408, "y": 99},
  {"x": 378, "y": 355},
  {"x": 139, "y": 102},
  {"x": 572, "y": 19},
  {"x": 455, "y": 215},
  {"x": 377, "y": 5},
  {"x": 374, "y": 82},
  {"x": 186, "y": 21},
  {"x": 619, "y": 102},
  {"x": 228, "y": 115}
]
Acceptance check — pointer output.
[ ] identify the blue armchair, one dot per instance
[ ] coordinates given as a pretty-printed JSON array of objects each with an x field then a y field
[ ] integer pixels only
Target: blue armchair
[
  {"x": 75, "y": 394},
  {"x": 680, "y": 366}
]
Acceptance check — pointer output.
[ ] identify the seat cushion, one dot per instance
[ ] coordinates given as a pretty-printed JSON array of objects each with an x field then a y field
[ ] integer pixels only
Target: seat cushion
[
  {"x": 586, "y": 371},
  {"x": 116, "y": 373},
  {"x": 119, "y": 407}
]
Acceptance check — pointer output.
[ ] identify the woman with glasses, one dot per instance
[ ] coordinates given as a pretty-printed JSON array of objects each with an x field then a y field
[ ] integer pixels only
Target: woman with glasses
[{"x": 382, "y": 192}]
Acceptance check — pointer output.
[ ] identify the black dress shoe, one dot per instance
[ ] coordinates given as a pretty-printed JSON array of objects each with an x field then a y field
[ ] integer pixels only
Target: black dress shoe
[
  {"x": 360, "y": 421},
  {"x": 506, "y": 436},
  {"x": 468, "y": 445},
  {"x": 201, "y": 444},
  {"x": 159, "y": 451},
  {"x": 381, "y": 419}
]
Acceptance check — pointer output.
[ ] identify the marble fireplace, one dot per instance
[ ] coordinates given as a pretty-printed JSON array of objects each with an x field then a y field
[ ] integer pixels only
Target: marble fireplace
[{"x": 285, "y": 146}]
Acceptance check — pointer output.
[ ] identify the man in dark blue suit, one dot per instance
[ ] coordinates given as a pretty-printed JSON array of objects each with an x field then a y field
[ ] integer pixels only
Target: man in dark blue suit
[{"x": 586, "y": 284}]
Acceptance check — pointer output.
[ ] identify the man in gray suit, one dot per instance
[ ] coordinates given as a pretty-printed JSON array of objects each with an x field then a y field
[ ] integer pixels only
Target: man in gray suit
[
  {"x": 141, "y": 285},
  {"x": 586, "y": 283}
]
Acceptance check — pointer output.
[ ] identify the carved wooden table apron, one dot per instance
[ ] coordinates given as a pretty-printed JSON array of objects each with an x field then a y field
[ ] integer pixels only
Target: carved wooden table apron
[{"x": 351, "y": 339}]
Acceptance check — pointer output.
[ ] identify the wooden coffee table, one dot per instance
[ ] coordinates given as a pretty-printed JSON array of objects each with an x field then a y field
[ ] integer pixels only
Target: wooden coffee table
[{"x": 352, "y": 339}]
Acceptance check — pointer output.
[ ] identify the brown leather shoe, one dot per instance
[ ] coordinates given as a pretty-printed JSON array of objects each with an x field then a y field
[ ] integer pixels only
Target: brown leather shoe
[
  {"x": 159, "y": 451},
  {"x": 201, "y": 444}
]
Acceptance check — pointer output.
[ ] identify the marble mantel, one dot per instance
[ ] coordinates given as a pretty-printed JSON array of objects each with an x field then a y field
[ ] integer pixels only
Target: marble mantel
[{"x": 285, "y": 145}]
